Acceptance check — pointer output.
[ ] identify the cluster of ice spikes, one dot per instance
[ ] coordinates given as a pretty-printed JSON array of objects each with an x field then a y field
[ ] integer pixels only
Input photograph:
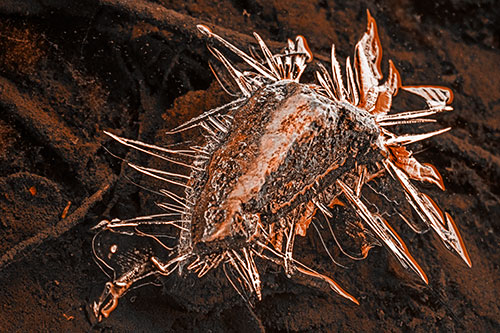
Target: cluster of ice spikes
[{"x": 361, "y": 89}]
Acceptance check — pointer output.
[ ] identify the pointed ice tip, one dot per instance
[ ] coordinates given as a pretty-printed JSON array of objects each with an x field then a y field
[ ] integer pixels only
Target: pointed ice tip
[
  {"x": 116, "y": 137},
  {"x": 413, "y": 265},
  {"x": 301, "y": 43},
  {"x": 423, "y": 276},
  {"x": 335, "y": 287},
  {"x": 100, "y": 225},
  {"x": 468, "y": 262},
  {"x": 368, "y": 14},
  {"x": 435, "y": 177},
  {"x": 204, "y": 30},
  {"x": 354, "y": 300},
  {"x": 369, "y": 20},
  {"x": 458, "y": 245}
]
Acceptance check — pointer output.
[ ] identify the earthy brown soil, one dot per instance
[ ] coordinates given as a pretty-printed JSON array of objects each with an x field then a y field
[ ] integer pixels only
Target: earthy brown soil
[{"x": 71, "y": 69}]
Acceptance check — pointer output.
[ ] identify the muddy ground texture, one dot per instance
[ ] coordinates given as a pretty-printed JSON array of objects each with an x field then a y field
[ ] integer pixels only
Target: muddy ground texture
[{"x": 69, "y": 70}]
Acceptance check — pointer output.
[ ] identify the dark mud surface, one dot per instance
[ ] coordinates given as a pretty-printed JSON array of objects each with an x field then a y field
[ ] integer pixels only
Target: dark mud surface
[{"x": 71, "y": 69}]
